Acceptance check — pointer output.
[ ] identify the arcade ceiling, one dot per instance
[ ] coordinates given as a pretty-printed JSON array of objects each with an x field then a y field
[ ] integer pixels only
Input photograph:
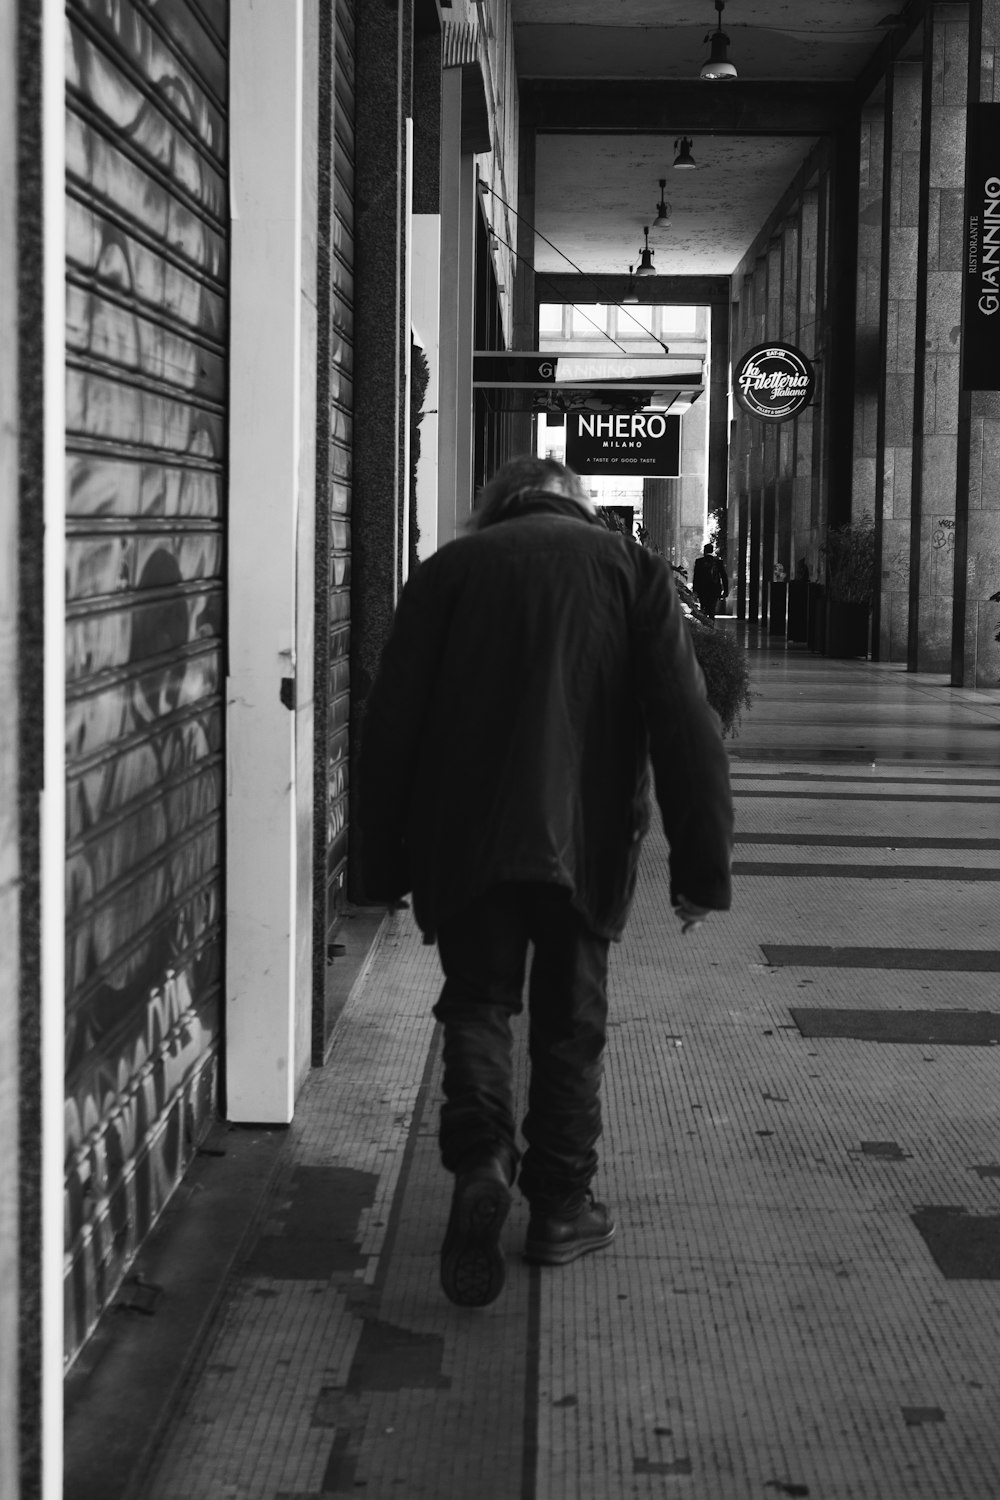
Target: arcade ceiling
[{"x": 612, "y": 84}]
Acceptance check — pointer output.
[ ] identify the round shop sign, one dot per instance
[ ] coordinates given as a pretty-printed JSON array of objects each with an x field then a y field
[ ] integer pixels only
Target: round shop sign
[{"x": 774, "y": 382}]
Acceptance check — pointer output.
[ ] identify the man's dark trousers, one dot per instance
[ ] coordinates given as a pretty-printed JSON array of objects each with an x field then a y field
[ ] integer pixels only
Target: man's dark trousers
[{"x": 483, "y": 954}]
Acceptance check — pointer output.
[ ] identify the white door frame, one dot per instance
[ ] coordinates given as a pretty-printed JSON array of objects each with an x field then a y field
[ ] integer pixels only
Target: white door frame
[{"x": 266, "y": 72}]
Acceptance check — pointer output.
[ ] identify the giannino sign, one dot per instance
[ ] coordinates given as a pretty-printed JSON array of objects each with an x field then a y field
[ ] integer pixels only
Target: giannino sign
[
  {"x": 641, "y": 442},
  {"x": 981, "y": 312},
  {"x": 774, "y": 382}
]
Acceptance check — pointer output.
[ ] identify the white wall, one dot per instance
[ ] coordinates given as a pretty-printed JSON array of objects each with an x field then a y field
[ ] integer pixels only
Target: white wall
[
  {"x": 263, "y": 912},
  {"x": 425, "y": 316}
]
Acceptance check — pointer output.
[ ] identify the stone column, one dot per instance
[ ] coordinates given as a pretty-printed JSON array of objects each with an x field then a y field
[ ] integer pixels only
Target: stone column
[
  {"x": 868, "y": 312},
  {"x": 718, "y": 419},
  {"x": 939, "y": 320},
  {"x": 805, "y": 489},
  {"x": 901, "y": 212},
  {"x": 774, "y": 264},
  {"x": 459, "y": 210},
  {"x": 525, "y": 313},
  {"x": 790, "y": 247}
]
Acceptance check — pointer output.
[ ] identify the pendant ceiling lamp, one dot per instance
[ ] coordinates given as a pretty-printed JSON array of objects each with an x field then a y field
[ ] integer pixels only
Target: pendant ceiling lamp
[
  {"x": 645, "y": 266},
  {"x": 683, "y": 158},
  {"x": 718, "y": 67},
  {"x": 662, "y": 220},
  {"x": 631, "y": 295}
]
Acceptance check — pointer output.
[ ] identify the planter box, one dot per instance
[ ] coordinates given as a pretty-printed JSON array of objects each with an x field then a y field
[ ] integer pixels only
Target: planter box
[
  {"x": 847, "y": 628},
  {"x": 816, "y": 618},
  {"x": 798, "y": 610}
]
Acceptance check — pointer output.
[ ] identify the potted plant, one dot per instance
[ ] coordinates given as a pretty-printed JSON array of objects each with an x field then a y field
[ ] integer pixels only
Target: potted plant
[
  {"x": 723, "y": 661},
  {"x": 850, "y": 580}
]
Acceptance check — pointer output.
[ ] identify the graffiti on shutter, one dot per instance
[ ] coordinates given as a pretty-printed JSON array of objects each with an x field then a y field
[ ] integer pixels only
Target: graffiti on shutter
[{"x": 146, "y": 309}]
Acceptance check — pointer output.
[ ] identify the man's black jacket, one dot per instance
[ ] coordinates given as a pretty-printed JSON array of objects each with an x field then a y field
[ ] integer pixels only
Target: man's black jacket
[{"x": 534, "y": 669}]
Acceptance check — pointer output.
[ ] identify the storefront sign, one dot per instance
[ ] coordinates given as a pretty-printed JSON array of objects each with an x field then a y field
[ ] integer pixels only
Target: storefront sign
[
  {"x": 644, "y": 443},
  {"x": 774, "y": 382},
  {"x": 981, "y": 310}
]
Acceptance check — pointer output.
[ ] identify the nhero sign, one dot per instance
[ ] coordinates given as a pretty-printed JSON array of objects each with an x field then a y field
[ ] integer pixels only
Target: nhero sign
[{"x": 774, "y": 382}]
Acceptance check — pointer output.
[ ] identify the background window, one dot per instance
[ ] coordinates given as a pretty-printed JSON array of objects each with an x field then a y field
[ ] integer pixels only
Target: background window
[{"x": 550, "y": 317}]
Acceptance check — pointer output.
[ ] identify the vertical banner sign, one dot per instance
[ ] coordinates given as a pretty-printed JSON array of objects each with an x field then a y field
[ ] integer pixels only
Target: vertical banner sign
[
  {"x": 618, "y": 442},
  {"x": 981, "y": 303}
]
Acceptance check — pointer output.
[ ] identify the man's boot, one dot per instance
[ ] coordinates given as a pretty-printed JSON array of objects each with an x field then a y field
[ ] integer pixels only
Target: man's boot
[
  {"x": 556, "y": 1237},
  {"x": 472, "y": 1261}
]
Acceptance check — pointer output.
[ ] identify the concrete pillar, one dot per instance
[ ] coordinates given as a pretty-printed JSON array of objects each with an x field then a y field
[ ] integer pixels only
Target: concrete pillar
[
  {"x": 773, "y": 330},
  {"x": 658, "y": 517},
  {"x": 975, "y": 649},
  {"x": 805, "y": 487},
  {"x": 459, "y": 208},
  {"x": 524, "y": 327},
  {"x": 756, "y": 334},
  {"x": 939, "y": 320},
  {"x": 718, "y": 419},
  {"x": 901, "y": 176},
  {"x": 690, "y": 485},
  {"x": 868, "y": 312},
  {"x": 425, "y": 281},
  {"x": 790, "y": 246}
]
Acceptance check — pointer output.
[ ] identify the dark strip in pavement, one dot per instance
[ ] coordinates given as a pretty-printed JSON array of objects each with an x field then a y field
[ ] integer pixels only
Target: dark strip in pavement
[
  {"x": 532, "y": 1386},
  {"x": 847, "y": 796},
  {"x": 964, "y": 1246},
  {"x": 865, "y": 756},
  {"x": 863, "y": 841},
  {"x": 341, "y": 1464},
  {"x": 868, "y": 780},
  {"x": 945, "y": 1028},
  {"x": 953, "y": 960},
  {"x": 864, "y": 872}
]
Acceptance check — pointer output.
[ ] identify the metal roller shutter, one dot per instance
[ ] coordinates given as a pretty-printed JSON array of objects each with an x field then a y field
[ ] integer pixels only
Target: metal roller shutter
[
  {"x": 147, "y": 253},
  {"x": 342, "y": 419}
]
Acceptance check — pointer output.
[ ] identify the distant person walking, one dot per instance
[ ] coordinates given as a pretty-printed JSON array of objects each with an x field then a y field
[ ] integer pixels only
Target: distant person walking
[
  {"x": 535, "y": 667},
  {"x": 710, "y": 581}
]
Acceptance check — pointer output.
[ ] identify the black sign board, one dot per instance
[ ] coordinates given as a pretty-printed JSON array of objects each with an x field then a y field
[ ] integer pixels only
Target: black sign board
[
  {"x": 774, "y": 382},
  {"x": 981, "y": 302},
  {"x": 643, "y": 443},
  {"x": 514, "y": 369}
]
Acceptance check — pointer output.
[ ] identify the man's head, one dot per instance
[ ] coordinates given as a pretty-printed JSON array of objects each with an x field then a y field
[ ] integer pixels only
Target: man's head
[
  {"x": 518, "y": 480},
  {"x": 708, "y": 548}
]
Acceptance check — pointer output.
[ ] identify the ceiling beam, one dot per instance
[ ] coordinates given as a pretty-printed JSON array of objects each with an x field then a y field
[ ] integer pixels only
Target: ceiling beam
[
  {"x": 636, "y": 107},
  {"x": 685, "y": 291}
]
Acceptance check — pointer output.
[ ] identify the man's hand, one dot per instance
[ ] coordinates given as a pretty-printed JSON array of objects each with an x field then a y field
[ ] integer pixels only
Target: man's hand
[{"x": 689, "y": 915}]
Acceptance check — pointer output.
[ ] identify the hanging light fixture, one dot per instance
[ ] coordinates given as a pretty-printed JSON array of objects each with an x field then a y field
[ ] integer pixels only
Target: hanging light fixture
[
  {"x": 645, "y": 266},
  {"x": 683, "y": 157},
  {"x": 662, "y": 220},
  {"x": 718, "y": 65},
  {"x": 631, "y": 295}
]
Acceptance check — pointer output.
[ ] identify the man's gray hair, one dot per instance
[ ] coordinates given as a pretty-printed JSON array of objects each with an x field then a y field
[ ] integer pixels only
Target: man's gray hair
[{"x": 520, "y": 478}]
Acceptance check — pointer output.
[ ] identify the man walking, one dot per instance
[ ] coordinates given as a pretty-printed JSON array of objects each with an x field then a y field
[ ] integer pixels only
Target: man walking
[
  {"x": 535, "y": 666},
  {"x": 710, "y": 581}
]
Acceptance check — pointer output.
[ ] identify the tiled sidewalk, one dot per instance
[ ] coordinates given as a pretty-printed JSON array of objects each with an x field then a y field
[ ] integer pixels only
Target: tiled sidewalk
[{"x": 804, "y": 1296}]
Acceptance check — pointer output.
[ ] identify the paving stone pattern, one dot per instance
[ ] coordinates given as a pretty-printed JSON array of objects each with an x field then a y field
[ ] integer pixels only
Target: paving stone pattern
[{"x": 801, "y": 1299}]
